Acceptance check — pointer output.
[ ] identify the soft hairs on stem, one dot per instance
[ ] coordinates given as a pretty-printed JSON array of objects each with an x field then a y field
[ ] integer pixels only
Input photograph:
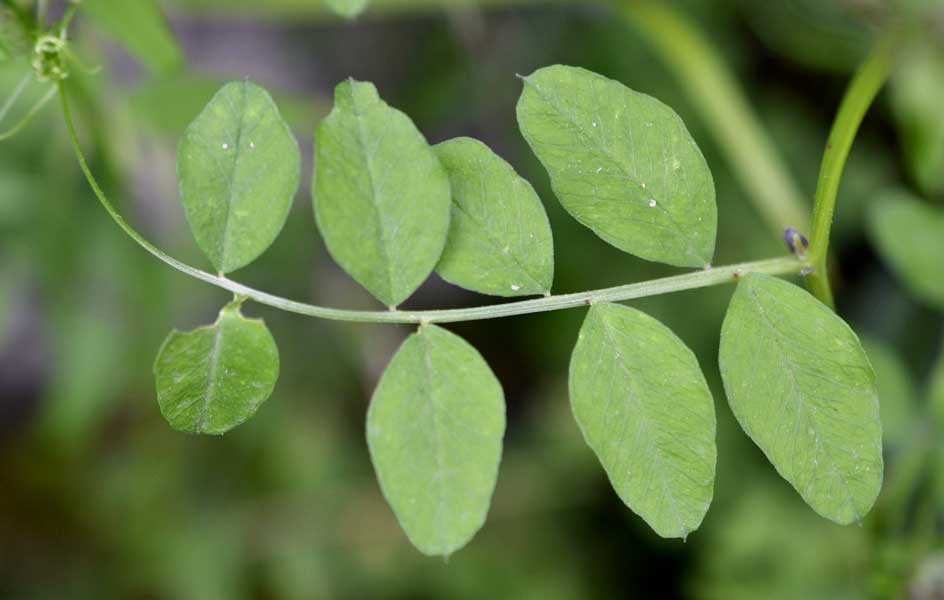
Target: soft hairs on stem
[{"x": 698, "y": 279}]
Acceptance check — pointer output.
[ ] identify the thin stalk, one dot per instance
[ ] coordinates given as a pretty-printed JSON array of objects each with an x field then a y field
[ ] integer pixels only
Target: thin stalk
[
  {"x": 862, "y": 90},
  {"x": 29, "y": 115},
  {"x": 704, "y": 278},
  {"x": 725, "y": 109},
  {"x": 41, "y": 6},
  {"x": 15, "y": 95}
]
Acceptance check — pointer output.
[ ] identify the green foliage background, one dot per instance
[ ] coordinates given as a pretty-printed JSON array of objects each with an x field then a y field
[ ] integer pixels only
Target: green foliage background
[{"x": 100, "y": 498}]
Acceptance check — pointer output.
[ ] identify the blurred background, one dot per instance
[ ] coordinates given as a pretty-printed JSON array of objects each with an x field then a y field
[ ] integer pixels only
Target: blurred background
[{"x": 99, "y": 498}]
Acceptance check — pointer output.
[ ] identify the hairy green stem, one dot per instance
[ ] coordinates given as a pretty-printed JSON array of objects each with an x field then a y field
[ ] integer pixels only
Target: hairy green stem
[
  {"x": 716, "y": 94},
  {"x": 865, "y": 85},
  {"x": 704, "y": 278}
]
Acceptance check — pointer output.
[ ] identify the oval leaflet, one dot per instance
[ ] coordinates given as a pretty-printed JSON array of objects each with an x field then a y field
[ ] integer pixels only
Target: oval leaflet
[
  {"x": 434, "y": 430},
  {"x": 644, "y": 408},
  {"x": 800, "y": 385},
  {"x": 213, "y": 378},
  {"x": 239, "y": 167},
  {"x": 381, "y": 198},
  {"x": 621, "y": 163}
]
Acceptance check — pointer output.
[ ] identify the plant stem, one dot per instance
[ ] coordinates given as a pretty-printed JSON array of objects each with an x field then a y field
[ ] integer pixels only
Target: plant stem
[
  {"x": 15, "y": 95},
  {"x": 23, "y": 122},
  {"x": 698, "y": 279},
  {"x": 865, "y": 84},
  {"x": 716, "y": 94},
  {"x": 41, "y": 15}
]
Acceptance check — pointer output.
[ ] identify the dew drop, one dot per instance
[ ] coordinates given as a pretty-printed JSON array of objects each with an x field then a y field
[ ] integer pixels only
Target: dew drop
[
  {"x": 594, "y": 123},
  {"x": 225, "y": 146},
  {"x": 252, "y": 145}
]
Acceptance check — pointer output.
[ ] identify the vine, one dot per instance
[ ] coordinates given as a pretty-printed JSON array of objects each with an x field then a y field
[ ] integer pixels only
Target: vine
[{"x": 392, "y": 209}]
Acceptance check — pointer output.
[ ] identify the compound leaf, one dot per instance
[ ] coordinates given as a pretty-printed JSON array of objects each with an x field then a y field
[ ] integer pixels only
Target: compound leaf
[
  {"x": 909, "y": 234},
  {"x": 380, "y": 196},
  {"x": 802, "y": 388},
  {"x": 213, "y": 378},
  {"x": 141, "y": 28},
  {"x": 499, "y": 237},
  {"x": 348, "y": 9},
  {"x": 621, "y": 163},
  {"x": 644, "y": 408},
  {"x": 239, "y": 168},
  {"x": 434, "y": 430}
]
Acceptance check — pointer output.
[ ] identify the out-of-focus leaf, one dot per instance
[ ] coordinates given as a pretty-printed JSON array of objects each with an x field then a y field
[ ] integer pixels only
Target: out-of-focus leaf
[
  {"x": 140, "y": 27},
  {"x": 211, "y": 379},
  {"x": 621, "y": 163},
  {"x": 916, "y": 88},
  {"x": 802, "y": 388},
  {"x": 896, "y": 392},
  {"x": 642, "y": 404},
  {"x": 381, "y": 197},
  {"x": 88, "y": 353},
  {"x": 936, "y": 391},
  {"x": 765, "y": 545},
  {"x": 347, "y": 8},
  {"x": 821, "y": 35},
  {"x": 239, "y": 167},
  {"x": 499, "y": 238},
  {"x": 909, "y": 234},
  {"x": 434, "y": 430},
  {"x": 14, "y": 37}
]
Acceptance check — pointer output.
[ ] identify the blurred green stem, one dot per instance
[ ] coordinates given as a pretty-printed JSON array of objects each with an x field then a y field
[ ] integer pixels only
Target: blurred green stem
[
  {"x": 698, "y": 279},
  {"x": 24, "y": 121},
  {"x": 868, "y": 80},
  {"x": 716, "y": 94}
]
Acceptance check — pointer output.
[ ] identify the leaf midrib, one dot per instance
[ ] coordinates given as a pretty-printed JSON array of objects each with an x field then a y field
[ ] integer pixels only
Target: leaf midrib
[
  {"x": 210, "y": 387},
  {"x": 232, "y": 176},
  {"x": 374, "y": 193},
  {"x": 437, "y": 434}
]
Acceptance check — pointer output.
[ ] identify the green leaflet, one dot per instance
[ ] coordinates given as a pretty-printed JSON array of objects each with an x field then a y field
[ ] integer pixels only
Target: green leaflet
[
  {"x": 802, "y": 388},
  {"x": 916, "y": 88},
  {"x": 347, "y": 8},
  {"x": 644, "y": 408},
  {"x": 211, "y": 379},
  {"x": 140, "y": 27},
  {"x": 896, "y": 393},
  {"x": 622, "y": 163},
  {"x": 434, "y": 430},
  {"x": 14, "y": 37},
  {"x": 499, "y": 237},
  {"x": 909, "y": 234},
  {"x": 381, "y": 198},
  {"x": 239, "y": 167}
]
